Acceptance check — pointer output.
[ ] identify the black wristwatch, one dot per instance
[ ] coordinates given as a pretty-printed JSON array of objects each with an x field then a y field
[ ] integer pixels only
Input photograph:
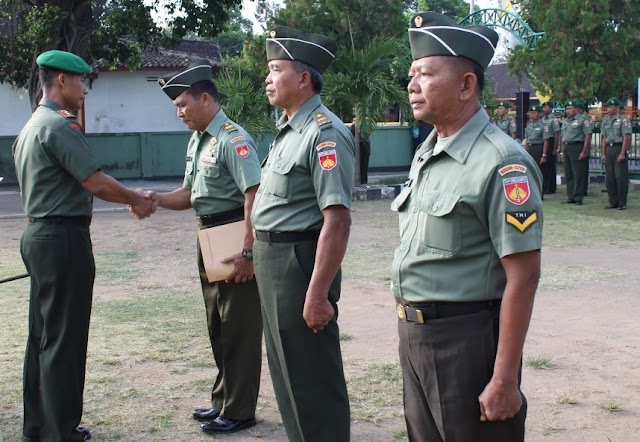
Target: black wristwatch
[{"x": 247, "y": 254}]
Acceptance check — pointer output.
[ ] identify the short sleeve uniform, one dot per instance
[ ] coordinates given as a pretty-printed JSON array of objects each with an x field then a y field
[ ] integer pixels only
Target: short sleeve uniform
[
  {"x": 461, "y": 211},
  {"x": 309, "y": 168},
  {"x": 615, "y": 128},
  {"x": 52, "y": 160},
  {"x": 221, "y": 164},
  {"x": 507, "y": 125}
]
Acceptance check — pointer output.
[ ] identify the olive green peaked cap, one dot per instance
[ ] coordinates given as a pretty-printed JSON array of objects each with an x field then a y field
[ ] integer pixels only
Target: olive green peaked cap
[
  {"x": 63, "y": 61},
  {"x": 613, "y": 101},
  {"x": 176, "y": 83},
  {"x": 315, "y": 50},
  {"x": 433, "y": 34},
  {"x": 536, "y": 108}
]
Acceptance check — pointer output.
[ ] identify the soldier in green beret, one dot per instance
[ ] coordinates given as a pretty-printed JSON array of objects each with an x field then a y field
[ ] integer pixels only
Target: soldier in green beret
[
  {"x": 576, "y": 142},
  {"x": 58, "y": 175},
  {"x": 220, "y": 182},
  {"x": 489, "y": 109},
  {"x": 616, "y": 140},
  {"x": 583, "y": 112},
  {"x": 466, "y": 270},
  {"x": 537, "y": 139},
  {"x": 550, "y": 120},
  {"x": 506, "y": 122},
  {"x": 302, "y": 219}
]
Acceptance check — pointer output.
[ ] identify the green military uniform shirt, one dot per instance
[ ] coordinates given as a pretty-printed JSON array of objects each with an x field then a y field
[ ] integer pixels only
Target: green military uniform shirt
[
  {"x": 463, "y": 210},
  {"x": 52, "y": 160},
  {"x": 574, "y": 130},
  {"x": 535, "y": 131},
  {"x": 507, "y": 124},
  {"x": 615, "y": 128},
  {"x": 309, "y": 167},
  {"x": 552, "y": 122},
  {"x": 222, "y": 163}
]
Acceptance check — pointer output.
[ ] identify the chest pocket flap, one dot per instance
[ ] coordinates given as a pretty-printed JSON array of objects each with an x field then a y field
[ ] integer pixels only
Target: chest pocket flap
[
  {"x": 438, "y": 203},
  {"x": 440, "y": 229},
  {"x": 279, "y": 184}
]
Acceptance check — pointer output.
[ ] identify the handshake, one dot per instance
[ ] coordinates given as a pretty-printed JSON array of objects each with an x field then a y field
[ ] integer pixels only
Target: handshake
[{"x": 145, "y": 204}]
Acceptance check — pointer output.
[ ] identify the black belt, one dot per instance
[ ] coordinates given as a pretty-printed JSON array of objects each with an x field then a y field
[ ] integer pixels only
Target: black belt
[
  {"x": 79, "y": 220},
  {"x": 420, "y": 313},
  {"x": 218, "y": 219},
  {"x": 536, "y": 144},
  {"x": 566, "y": 143},
  {"x": 271, "y": 237},
  {"x": 614, "y": 144}
]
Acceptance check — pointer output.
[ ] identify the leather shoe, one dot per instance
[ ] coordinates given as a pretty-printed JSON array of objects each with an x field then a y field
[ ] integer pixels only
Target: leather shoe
[
  {"x": 609, "y": 206},
  {"x": 577, "y": 203},
  {"x": 79, "y": 434},
  {"x": 567, "y": 202},
  {"x": 206, "y": 414},
  {"x": 622, "y": 207},
  {"x": 224, "y": 425}
]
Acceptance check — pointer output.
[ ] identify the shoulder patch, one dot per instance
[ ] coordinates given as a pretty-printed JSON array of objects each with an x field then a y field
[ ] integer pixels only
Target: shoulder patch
[
  {"x": 321, "y": 119},
  {"x": 521, "y": 220},
  {"x": 228, "y": 127},
  {"x": 325, "y": 144},
  {"x": 516, "y": 189},
  {"x": 586, "y": 122},
  {"x": 512, "y": 168},
  {"x": 242, "y": 150},
  {"x": 75, "y": 126},
  {"x": 65, "y": 113},
  {"x": 236, "y": 139},
  {"x": 328, "y": 159}
]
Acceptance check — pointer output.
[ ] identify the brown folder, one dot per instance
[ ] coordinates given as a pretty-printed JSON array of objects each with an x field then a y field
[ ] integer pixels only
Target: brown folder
[{"x": 218, "y": 243}]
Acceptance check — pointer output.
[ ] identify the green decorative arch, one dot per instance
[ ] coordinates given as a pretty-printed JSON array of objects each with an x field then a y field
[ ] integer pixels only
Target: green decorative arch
[{"x": 499, "y": 18}]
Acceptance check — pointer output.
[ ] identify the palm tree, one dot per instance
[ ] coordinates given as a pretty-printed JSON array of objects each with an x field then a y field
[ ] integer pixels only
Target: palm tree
[{"x": 365, "y": 82}]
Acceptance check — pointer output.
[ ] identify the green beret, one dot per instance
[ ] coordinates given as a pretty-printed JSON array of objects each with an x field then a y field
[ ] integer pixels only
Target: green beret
[
  {"x": 487, "y": 106},
  {"x": 536, "y": 108},
  {"x": 613, "y": 101},
  {"x": 176, "y": 83},
  {"x": 63, "y": 61},
  {"x": 574, "y": 103},
  {"x": 285, "y": 43},
  {"x": 547, "y": 103},
  {"x": 504, "y": 104},
  {"x": 433, "y": 34}
]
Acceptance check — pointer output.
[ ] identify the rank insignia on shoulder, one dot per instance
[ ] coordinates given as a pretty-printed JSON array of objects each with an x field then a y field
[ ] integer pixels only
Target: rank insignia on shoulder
[
  {"x": 328, "y": 159},
  {"x": 321, "y": 119},
  {"x": 238, "y": 138},
  {"x": 512, "y": 168},
  {"x": 516, "y": 189},
  {"x": 65, "y": 113},
  {"x": 228, "y": 127},
  {"x": 325, "y": 144},
  {"x": 242, "y": 150},
  {"x": 521, "y": 220}
]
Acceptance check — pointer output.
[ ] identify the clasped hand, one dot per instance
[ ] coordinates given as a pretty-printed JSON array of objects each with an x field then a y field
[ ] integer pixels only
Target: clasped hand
[{"x": 146, "y": 204}]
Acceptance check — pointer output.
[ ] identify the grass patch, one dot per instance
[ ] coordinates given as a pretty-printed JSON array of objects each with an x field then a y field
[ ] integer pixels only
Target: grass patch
[
  {"x": 375, "y": 392},
  {"x": 539, "y": 363},
  {"x": 566, "y": 400},
  {"x": 611, "y": 407},
  {"x": 391, "y": 180},
  {"x": 114, "y": 267},
  {"x": 400, "y": 434},
  {"x": 345, "y": 337}
]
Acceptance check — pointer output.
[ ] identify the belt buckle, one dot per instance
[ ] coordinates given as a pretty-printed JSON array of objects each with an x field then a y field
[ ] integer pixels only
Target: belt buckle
[
  {"x": 401, "y": 313},
  {"x": 419, "y": 316}
]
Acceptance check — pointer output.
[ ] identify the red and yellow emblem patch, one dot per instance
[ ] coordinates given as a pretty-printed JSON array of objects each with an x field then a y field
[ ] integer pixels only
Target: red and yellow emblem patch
[
  {"x": 516, "y": 189},
  {"x": 242, "y": 150},
  {"x": 75, "y": 126},
  {"x": 65, "y": 113},
  {"x": 328, "y": 159}
]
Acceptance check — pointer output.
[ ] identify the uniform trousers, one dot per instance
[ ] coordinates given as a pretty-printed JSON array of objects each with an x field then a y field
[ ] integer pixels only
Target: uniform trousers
[
  {"x": 536, "y": 151},
  {"x": 365, "y": 153},
  {"x": 549, "y": 184},
  {"x": 306, "y": 367},
  {"x": 617, "y": 176},
  {"x": 576, "y": 171},
  {"x": 446, "y": 364},
  {"x": 235, "y": 332},
  {"x": 59, "y": 259}
]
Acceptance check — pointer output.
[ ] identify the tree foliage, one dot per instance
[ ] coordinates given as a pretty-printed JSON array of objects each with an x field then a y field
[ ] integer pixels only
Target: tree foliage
[
  {"x": 112, "y": 30},
  {"x": 589, "y": 51}
]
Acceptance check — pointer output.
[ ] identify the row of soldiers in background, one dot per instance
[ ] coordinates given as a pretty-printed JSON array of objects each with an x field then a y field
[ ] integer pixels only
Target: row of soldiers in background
[{"x": 546, "y": 138}]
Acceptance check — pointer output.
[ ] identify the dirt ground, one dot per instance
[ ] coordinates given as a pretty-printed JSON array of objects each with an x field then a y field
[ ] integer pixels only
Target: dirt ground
[{"x": 589, "y": 332}]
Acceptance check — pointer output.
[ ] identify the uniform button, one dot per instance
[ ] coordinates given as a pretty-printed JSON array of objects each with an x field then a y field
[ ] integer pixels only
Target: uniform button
[
  {"x": 415, "y": 209},
  {"x": 435, "y": 207},
  {"x": 403, "y": 247}
]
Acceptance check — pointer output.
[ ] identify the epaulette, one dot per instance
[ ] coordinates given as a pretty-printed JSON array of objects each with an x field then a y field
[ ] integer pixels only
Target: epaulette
[
  {"x": 66, "y": 113},
  {"x": 322, "y": 120},
  {"x": 228, "y": 127}
]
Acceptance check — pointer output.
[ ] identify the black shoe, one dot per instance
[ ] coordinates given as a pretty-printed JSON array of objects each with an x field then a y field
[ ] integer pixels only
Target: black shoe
[
  {"x": 79, "y": 434},
  {"x": 622, "y": 207},
  {"x": 567, "y": 202},
  {"x": 609, "y": 206},
  {"x": 577, "y": 203},
  {"x": 224, "y": 425},
  {"x": 206, "y": 414}
]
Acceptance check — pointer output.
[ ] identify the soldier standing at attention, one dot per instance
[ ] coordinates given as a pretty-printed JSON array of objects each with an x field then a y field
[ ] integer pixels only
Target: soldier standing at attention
[
  {"x": 58, "y": 175},
  {"x": 466, "y": 271},
  {"x": 505, "y": 121},
  {"x": 550, "y": 120},
  {"x": 616, "y": 140},
  {"x": 537, "y": 136},
  {"x": 576, "y": 141},
  {"x": 221, "y": 178},
  {"x": 302, "y": 220}
]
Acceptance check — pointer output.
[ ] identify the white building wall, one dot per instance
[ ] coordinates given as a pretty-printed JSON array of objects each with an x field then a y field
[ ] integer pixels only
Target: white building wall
[{"x": 117, "y": 102}]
